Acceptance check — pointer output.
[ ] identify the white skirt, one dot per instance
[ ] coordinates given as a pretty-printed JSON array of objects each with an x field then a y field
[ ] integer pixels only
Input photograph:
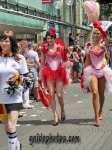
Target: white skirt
[{"x": 89, "y": 71}]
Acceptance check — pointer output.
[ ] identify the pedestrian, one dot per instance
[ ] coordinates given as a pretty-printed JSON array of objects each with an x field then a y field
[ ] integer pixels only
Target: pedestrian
[
  {"x": 11, "y": 66},
  {"x": 71, "y": 40},
  {"x": 54, "y": 74},
  {"x": 97, "y": 77},
  {"x": 78, "y": 61},
  {"x": 33, "y": 66}
]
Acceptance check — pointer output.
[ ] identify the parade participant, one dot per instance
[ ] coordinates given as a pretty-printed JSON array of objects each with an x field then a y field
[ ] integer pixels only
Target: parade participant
[
  {"x": 11, "y": 66},
  {"x": 97, "y": 77},
  {"x": 54, "y": 74}
]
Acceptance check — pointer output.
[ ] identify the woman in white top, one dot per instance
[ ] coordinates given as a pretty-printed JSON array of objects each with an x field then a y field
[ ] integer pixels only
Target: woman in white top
[{"x": 11, "y": 65}]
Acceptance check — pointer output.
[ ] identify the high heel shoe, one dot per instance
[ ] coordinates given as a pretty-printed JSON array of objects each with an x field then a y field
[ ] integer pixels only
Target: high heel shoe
[
  {"x": 100, "y": 118},
  {"x": 97, "y": 124},
  {"x": 63, "y": 118},
  {"x": 100, "y": 115},
  {"x": 56, "y": 123}
]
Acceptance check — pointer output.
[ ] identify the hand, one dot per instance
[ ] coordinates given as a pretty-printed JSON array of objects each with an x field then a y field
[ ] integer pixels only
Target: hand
[{"x": 98, "y": 26}]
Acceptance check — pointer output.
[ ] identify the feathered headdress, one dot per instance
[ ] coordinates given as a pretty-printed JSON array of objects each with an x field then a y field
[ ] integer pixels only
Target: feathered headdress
[{"x": 92, "y": 9}]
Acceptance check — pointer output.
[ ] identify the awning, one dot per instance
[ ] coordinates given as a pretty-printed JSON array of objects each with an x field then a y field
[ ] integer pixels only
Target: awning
[{"x": 20, "y": 29}]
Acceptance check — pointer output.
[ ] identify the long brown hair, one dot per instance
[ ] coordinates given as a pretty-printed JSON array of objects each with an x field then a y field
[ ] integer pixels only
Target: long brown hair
[{"x": 14, "y": 47}]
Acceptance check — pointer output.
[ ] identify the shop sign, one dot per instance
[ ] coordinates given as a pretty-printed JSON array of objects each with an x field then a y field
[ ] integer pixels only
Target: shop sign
[{"x": 46, "y": 1}]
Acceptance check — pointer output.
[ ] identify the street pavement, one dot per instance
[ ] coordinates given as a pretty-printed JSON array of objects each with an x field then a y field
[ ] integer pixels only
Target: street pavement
[{"x": 79, "y": 124}]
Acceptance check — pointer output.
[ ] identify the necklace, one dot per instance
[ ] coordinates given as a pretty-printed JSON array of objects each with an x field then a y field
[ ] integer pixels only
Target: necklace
[
  {"x": 9, "y": 54},
  {"x": 6, "y": 57}
]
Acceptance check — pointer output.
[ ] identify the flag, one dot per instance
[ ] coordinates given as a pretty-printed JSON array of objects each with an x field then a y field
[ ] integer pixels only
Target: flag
[
  {"x": 3, "y": 112},
  {"x": 105, "y": 24}
]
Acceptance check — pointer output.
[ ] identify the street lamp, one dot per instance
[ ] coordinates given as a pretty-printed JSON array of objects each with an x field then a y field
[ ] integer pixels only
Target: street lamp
[{"x": 57, "y": 4}]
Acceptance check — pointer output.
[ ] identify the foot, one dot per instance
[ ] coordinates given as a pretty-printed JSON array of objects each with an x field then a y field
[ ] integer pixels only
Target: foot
[
  {"x": 20, "y": 115},
  {"x": 75, "y": 81},
  {"x": 100, "y": 115},
  {"x": 30, "y": 107},
  {"x": 97, "y": 124},
  {"x": 78, "y": 80},
  {"x": 97, "y": 121},
  {"x": 56, "y": 121},
  {"x": 37, "y": 99},
  {"x": 63, "y": 116}
]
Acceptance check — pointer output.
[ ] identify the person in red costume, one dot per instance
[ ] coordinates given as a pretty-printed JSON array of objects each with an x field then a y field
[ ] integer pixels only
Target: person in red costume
[
  {"x": 97, "y": 77},
  {"x": 54, "y": 74}
]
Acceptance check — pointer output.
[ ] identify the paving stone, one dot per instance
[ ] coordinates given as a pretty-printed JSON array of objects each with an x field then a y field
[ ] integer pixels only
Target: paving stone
[{"x": 79, "y": 122}]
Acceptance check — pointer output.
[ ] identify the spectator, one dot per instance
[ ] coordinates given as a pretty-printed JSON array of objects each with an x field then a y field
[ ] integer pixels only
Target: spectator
[
  {"x": 33, "y": 65},
  {"x": 71, "y": 40},
  {"x": 110, "y": 61},
  {"x": 77, "y": 39},
  {"x": 77, "y": 67},
  {"x": 23, "y": 50}
]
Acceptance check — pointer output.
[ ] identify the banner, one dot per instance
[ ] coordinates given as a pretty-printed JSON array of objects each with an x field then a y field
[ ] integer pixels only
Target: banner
[{"x": 46, "y": 1}]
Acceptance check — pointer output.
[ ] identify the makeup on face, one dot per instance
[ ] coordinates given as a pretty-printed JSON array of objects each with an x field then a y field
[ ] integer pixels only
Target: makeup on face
[
  {"x": 50, "y": 40},
  {"x": 5, "y": 44},
  {"x": 95, "y": 33}
]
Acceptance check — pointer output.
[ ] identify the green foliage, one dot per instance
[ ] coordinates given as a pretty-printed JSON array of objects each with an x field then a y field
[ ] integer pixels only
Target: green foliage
[{"x": 103, "y": 1}]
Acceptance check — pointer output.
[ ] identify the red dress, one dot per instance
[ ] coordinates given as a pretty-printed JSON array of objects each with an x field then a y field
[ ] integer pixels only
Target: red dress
[{"x": 55, "y": 69}]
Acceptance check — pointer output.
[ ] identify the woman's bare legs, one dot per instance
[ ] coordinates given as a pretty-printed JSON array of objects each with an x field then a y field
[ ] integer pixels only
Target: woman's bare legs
[
  {"x": 101, "y": 89},
  {"x": 10, "y": 128},
  {"x": 75, "y": 75},
  {"x": 94, "y": 87},
  {"x": 10, "y": 122},
  {"x": 51, "y": 89},
  {"x": 59, "y": 89}
]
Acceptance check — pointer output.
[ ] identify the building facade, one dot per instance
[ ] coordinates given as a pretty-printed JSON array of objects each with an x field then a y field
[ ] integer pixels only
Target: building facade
[{"x": 29, "y": 19}]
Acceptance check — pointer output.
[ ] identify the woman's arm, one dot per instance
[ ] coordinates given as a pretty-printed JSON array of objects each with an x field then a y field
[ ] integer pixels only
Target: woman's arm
[
  {"x": 87, "y": 61},
  {"x": 107, "y": 55},
  {"x": 42, "y": 61},
  {"x": 106, "y": 39},
  {"x": 81, "y": 59},
  {"x": 76, "y": 55}
]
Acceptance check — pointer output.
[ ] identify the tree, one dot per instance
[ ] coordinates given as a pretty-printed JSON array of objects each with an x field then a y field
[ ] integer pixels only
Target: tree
[
  {"x": 103, "y": 1},
  {"x": 105, "y": 9}
]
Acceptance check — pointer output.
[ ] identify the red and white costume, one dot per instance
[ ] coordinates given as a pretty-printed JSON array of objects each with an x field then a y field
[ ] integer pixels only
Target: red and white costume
[
  {"x": 96, "y": 67},
  {"x": 55, "y": 69}
]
